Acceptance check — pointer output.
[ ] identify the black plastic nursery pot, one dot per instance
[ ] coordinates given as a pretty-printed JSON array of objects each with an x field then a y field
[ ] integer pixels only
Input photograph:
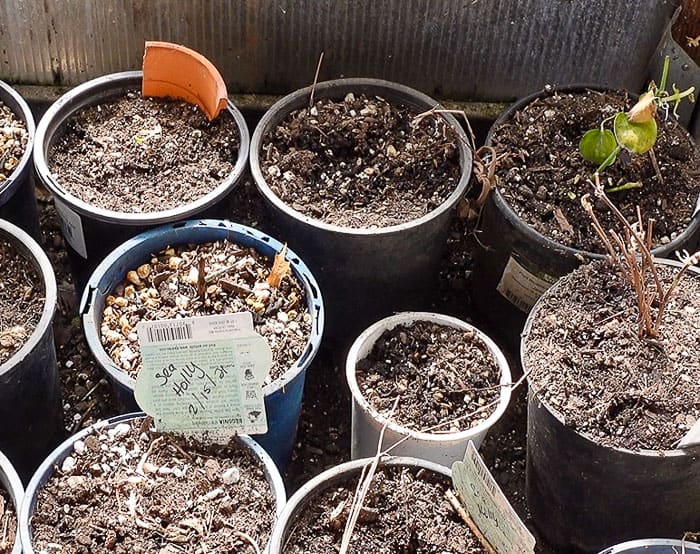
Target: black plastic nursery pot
[
  {"x": 364, "y": 274},
  {"x": 92, "y": 232},
  {"x": 654, "y": 546},
  {"x": 584, "y": 496},
  {"x": 13, "y": 485},
  {"x": 30, "y": 398},
  {"x": 514, "y": 264},
  {"x": 54, "y": 460},
  {"x": 300, "y": 501},
  {"x": 17, "y": 199},
  {"x": 284, "y": 395}
]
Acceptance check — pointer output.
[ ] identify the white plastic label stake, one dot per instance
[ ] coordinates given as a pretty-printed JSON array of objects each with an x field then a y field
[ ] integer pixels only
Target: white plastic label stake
[
  {"x": 204, "y": 374},
  {"x": 71, "y": 227},
  {"x": 521, "y": 287},
  {"x": 488, "y": 507}
]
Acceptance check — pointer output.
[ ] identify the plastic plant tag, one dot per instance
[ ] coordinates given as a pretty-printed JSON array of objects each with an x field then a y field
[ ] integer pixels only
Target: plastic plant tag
[
  {"x": 488, "y": 507},
  {"x": 72, "y": 227},
  {"x": 692, "y": 437},
  {"x": 204, "y": 374},
  {"x": 522, "y": 287}
]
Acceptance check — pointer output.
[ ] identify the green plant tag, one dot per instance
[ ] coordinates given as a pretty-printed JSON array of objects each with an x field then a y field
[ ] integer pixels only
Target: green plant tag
[
  {"x": 488, "y": 507},
  {"x": 597, "y": 145},
  {"x": 637, "y": 137},
  {"x": 204, "y": 374}
]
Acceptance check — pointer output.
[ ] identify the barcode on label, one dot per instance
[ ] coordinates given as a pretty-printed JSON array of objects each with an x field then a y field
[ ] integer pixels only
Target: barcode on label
[
  {"x": 169, "y": 333},
  {"x": 518, "y": 302}
]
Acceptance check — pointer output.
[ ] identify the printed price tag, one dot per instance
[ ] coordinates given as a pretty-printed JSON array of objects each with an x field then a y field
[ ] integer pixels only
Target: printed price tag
[
  {"x": 488, "y": 507},
  {"x": 71, "y": 227},
  {"x": 521, "y": 287},
  {"x": 204, "y": 374}
]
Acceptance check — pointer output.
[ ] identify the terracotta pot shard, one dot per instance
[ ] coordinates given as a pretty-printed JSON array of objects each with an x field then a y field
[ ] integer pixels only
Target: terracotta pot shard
[{"x": 175, "y": 71}]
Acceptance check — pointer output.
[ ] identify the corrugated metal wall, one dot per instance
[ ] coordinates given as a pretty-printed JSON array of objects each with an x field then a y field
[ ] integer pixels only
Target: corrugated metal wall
[{"x": 469, "y": 49}]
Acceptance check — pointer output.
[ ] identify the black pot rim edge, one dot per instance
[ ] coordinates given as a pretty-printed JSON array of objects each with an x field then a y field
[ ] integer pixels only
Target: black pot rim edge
[
  {"x": 38, "y": 257},
  {"x": 288, "y": 103},
  {"x": 46, "y": 468},
  {"x": 538, "y": 238},
  {"x": 117, "y": 81},
  {"x": 525, "y": 334}
]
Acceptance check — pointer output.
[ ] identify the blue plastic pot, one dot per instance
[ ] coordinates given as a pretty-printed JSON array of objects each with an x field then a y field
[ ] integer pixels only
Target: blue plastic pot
[
  {"x": 12, "y": 484},
  {"x": 47, "y": 468},
  {"x": 283, "y": 396},
  {"x": 30, "y": 398},
  {"x": 654, "y": 546},
  {"x": 17, "y": 199},
  {"x": 103, "y": 230}
]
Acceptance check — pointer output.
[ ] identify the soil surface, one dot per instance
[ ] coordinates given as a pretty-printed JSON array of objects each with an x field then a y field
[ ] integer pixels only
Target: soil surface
[
  {"x": 131, "y": 490},
  {"x": 543, "y": 175},
  {"x": 13, "y": 142},
  {"x": 442, "y": 375},
  {"x": 588, "y": 363},
  {"x": 8, "y": 522},
  {"x": 405, "y": 510},
  {"x": 210, "y": 278},
  {"x": 361, "y": 162},
  {"x": 21, "y": 300},
  {"x": 138, "y": 154}
]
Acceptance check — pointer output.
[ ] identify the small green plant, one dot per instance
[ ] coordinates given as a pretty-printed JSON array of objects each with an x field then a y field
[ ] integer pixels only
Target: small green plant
[{"x": 634, "y": 131}]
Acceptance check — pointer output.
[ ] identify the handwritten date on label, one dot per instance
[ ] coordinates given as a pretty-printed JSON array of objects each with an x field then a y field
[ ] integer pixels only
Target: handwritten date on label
[
  {"x": 193, "y": 385},
  {"x": 488, "y": 507}
]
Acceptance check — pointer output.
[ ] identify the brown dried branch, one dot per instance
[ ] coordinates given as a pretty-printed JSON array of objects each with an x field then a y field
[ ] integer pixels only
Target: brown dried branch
[{"x": 631, "y": 254}]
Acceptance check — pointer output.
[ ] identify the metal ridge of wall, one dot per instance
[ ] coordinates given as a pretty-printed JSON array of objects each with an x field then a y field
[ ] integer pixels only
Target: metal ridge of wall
[{"x": 491, "y": 50}]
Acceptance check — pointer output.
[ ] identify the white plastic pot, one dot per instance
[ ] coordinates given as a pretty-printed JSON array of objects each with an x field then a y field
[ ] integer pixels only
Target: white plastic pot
[{"x": 367, "y": 422}]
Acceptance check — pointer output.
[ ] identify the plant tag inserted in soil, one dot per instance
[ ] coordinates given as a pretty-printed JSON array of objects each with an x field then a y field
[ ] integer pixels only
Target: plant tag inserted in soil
[
  {"x": 488, "y": 507},
  {"x": 71, "y": 227},
  {"x": 522, "y": 287},
  {"x": 204, "y": 374},
  {"x": 692, "y": 437}
]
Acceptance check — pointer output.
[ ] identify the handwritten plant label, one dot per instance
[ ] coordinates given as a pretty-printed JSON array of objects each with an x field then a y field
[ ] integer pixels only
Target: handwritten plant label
[
  {"x": 488, "y": 507},
  {"x": 204, "y": 374}
]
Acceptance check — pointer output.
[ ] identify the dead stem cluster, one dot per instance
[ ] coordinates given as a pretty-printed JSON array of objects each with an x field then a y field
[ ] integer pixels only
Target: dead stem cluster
[{"x": 630, "y": 252}]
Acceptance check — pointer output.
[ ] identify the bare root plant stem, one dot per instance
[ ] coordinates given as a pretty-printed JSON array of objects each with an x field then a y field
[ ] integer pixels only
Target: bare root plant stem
[
  {"x": 457, "y": 505},
  {"x": 313, "y": 86},
  {"x": 631, "y": 254},
  {"x": 363, "y": 485}
]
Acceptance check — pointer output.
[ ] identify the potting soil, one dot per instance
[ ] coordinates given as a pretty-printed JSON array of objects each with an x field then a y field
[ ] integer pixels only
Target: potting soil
[
  {"x": 130, "y": 490},
  {"x": 588, "y": 362},
  {"x": 361, "y": 162},
  {"x": 139, "y": 155},
  {"x": 233, "y": 279},
  {"x": 21, "y": 300},
  {"x": 405, "y": 510},
  {"x": 13, "y": 142},
  {"x": 542, "y": 174},
  {"x": 443, "y": 377}
]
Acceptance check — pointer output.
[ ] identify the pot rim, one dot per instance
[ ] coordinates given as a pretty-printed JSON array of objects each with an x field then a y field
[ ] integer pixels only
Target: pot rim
[
  {"x": 339, "y": 88},
  {"x": 640, "y": 543},
  {"x": 409, "y": 317},
  {"x": 65, "y": 449},
  {"x": 557, "y": 415},
  {"x": 326, "y": 479},
  {"x": 6, "y": 91},
  {"x": 535, "y": 236},
  {"x": 13, "y": 485},
  {"x": 301, "y": 271},
  {"x": 55, "y": 118},
  {"x": 30, "y": 250}
]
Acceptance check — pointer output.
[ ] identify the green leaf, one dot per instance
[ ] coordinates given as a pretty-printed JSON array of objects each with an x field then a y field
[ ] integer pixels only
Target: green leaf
[
  {"x": 638, "y": 137},
  {"x": 597, "y": 145}
]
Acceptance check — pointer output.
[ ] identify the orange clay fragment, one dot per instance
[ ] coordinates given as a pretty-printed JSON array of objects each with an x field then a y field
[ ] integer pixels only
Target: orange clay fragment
[{"x": 174, "y": 71}]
